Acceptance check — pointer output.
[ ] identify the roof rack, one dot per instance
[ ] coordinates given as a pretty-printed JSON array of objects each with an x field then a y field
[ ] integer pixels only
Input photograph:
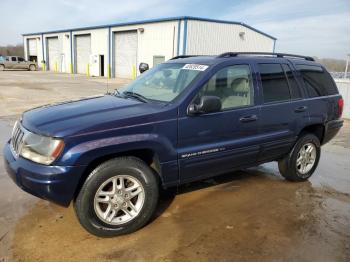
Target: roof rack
[
  {"x": 234, "y": 54},
  {"x": 182, "y": 56}
]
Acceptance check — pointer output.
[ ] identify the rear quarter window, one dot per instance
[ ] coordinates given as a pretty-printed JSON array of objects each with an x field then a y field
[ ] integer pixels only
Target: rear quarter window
[{"x": 318, "y": 82}]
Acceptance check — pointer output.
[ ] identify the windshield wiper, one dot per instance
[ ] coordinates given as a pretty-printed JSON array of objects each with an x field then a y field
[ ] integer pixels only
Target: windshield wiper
[
  {"x": 116, "y": 93},
  {"x": 136, "y": 95}
]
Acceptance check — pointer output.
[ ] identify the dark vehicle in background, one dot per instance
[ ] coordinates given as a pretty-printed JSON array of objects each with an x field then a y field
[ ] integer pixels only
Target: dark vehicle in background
[
  {"x": 190, "y": 118},
  {"x": 16, "y": 62}
]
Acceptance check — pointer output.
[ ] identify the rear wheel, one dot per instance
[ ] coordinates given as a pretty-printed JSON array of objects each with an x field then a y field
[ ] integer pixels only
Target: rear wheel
[
  {"x": 118, "y": 197},
  {"x": 2, "y": 67},
  {"x": 302, "y": 161},
  {"x": 32, "y": 68}
]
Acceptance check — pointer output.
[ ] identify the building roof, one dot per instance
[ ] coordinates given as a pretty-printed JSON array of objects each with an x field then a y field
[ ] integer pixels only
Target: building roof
[{"x": 176, "y": 18}]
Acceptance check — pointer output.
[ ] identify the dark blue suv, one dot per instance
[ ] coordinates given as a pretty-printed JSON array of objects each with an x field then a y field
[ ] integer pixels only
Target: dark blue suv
[{"x": 190, "y": 118}]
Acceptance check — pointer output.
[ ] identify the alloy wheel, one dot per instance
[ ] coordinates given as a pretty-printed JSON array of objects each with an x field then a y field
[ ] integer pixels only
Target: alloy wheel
[
  {"x": 306, "y": 158},
  {"x": 119, "y": 199}
]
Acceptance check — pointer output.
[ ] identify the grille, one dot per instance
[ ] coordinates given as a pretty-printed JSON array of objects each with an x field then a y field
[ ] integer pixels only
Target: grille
[{"x": 17, "y": 138}]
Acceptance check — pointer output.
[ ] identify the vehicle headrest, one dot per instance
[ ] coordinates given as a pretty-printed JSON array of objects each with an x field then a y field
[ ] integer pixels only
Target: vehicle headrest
[{"x": 240, "y": 84}]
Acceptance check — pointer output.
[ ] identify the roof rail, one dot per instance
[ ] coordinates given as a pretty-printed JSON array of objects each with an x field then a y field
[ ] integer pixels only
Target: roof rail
[
  {"x": 182, "y": 56},
  {"x": 234, "y": 54}
]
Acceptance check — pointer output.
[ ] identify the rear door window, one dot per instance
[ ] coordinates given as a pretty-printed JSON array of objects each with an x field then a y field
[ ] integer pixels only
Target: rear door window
[
  {"x": 318, "y": 82},
  {"x": 20, "y": 59},
  {"x": 13, "y": 59},
  {"x": 293, "y": 85},
  {"x": 274, "y": 83}
]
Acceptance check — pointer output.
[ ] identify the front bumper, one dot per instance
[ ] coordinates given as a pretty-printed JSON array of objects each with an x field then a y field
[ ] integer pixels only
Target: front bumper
[{"x": 54, "y": 183}]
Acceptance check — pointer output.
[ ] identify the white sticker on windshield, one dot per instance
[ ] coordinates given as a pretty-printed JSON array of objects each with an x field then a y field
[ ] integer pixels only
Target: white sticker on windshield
[{"x": 195, "y": 67}]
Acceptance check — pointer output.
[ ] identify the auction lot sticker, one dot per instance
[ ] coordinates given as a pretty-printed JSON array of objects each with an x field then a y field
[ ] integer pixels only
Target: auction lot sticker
[{"x": 195, "y": 67}]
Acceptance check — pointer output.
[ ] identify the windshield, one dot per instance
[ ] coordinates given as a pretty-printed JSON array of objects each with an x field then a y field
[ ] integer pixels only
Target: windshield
[{"x": 162, "y": 83}]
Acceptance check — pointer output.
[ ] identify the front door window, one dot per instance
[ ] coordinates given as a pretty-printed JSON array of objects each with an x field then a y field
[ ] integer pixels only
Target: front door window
[{"x": 233, "y": 85}]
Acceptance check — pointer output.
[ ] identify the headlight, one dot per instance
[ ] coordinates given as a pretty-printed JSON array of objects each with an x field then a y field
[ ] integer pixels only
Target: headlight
[{"x": 40, "y": 149}]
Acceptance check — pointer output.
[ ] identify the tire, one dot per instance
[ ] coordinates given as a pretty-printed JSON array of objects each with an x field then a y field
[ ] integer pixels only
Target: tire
[
  {"x": 90, "y": 211},
  {"x": 2, "y": 67},
  {"x": 32, "y": 68},
  {"x": 306, "y": 150}
]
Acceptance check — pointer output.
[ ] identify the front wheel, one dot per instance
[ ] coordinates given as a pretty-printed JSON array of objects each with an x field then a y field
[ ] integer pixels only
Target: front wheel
[
  {"x": 118, "y": 197},
  {"x": 302, "y": 161},
  {"x": 2, "y": 67}
]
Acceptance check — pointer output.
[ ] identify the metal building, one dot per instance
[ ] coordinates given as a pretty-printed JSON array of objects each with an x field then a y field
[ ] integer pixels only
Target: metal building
[{"x": 116, "y": 50}]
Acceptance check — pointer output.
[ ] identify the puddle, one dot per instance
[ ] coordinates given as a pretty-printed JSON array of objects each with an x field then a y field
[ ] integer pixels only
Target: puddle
[{"x": 279, "y": 220}]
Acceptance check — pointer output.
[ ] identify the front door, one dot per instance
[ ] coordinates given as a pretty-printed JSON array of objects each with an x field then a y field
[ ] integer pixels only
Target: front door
[
  {"x": 12, "y": 62},
  {"x": 218, "y": 142}
]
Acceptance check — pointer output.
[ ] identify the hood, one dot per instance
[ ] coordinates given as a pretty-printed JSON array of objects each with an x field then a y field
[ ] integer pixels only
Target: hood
[{"x": 84, "y": 115}]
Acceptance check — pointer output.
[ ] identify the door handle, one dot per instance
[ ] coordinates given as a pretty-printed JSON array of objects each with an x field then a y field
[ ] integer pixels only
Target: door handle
[
  {"x": 246, "y": 119},
  {"x": 300, "y": 109}
]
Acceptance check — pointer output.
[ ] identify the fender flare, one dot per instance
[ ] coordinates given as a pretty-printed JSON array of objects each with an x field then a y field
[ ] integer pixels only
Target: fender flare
[{"x": 86, "y": 152}]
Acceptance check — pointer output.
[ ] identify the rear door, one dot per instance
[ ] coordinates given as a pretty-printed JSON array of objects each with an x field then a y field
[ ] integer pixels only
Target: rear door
[
  {"x": 284, "y": 112},
  {"x": 213, "y": 143},
  {"x": 22, "y": 64}
]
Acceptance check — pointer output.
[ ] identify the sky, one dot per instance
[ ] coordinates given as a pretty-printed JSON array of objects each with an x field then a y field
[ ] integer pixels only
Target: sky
[{"x": 310, "y": 27}]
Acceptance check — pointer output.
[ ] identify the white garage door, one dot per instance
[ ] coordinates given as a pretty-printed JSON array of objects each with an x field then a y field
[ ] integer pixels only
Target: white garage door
[
  {"x": 82, "y": 53},
  {"x": 125, "y": 53},
  {"x": 32, "y": 47},
  {"x": 53, "y": 55}
]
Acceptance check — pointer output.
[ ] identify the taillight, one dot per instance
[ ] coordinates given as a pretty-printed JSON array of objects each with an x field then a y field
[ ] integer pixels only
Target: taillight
[{"x": 340, "y": 107}]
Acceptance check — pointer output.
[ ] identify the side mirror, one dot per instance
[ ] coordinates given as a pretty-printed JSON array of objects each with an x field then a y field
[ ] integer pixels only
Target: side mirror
[
  {"x": 143, "y": 67},
  {"x": 208, "y": 104}
]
